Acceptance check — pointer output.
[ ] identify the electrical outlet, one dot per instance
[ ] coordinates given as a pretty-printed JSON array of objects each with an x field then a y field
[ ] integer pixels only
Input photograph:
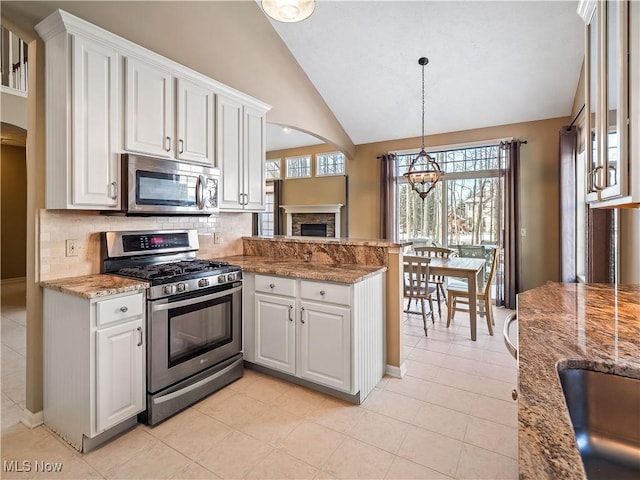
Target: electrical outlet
[
  {"x": 216, "y": 238},
  {"x": 72, "y": 248}
]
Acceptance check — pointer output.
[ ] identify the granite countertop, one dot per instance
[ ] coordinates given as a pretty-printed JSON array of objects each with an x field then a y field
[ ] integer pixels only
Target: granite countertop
[
  {"x": 340, "y": 273},
  {"x": 571, "y": 325},
  {"x": 95, "y": 286},
  {"x": 342, "y": 241}
]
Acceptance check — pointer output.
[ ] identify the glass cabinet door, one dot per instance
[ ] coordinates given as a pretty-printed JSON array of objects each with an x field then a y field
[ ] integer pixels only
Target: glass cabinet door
[{"x": 591, "y": 101}]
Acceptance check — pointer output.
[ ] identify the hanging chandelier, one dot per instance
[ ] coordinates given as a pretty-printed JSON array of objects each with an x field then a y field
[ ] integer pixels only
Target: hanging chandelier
[
  {"x": 289, "y": 10},
  {"x": 424, "y": 172}
]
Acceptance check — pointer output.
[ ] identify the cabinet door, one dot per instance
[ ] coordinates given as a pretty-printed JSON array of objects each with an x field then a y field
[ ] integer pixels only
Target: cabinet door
[
  {"x": 325, "y": 345},
  {"x": 229, "y": 152},
  {"x": 254, "y": 158},
  {"x": 120, "y": 383},
  {"x": 96, "y": 100},
  {"x": 149, "y": 109},
  {"x": 195, "y": 123},
  {"x": 275, "y": 337}
]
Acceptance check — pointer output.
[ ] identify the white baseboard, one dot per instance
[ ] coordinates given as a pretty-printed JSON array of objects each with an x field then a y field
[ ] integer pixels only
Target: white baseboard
[
  {"x": 32, "y": 420},
  {"x": 396, "y": 372},
  {"x": 10, "y": 281}
]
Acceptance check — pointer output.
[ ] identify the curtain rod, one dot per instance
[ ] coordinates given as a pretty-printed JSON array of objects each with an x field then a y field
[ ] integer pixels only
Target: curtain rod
[{"x": 577, "y": 115}]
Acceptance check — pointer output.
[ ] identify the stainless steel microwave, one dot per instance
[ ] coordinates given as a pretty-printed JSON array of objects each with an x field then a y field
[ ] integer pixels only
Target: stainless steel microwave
[{"x": 156, "y": 186}]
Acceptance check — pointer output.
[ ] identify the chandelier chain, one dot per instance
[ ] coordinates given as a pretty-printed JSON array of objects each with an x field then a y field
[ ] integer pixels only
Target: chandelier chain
[{"x": 422, "y": 107}]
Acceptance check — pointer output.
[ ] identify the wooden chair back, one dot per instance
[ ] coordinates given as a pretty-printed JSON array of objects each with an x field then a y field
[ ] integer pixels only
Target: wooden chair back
[
  {"x": 434, "y": 252},
  {"x": 416, "y": 275},
  {"x": 494, "y": 267}
]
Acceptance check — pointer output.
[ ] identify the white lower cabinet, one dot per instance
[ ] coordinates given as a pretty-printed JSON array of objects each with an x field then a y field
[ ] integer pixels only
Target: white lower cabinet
[
  {"x": 94, "y": 365},
  {"x": 323, "y": 333},
  {"x": 325, "y": 344}
]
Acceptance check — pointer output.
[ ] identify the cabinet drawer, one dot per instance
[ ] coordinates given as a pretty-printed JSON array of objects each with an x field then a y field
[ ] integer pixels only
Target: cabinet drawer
[
  {"x": 276, "y": 285},
  {"x": 325, "y": 292},
  {"x": 117, "y": 309}
]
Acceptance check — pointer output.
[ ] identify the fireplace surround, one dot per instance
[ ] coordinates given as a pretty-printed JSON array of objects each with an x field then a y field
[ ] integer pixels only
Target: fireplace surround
[{"x": 328, "y": 215}]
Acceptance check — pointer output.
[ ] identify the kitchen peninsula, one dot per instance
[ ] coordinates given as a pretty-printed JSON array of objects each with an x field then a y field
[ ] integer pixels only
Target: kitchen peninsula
[
  {"x": 343, "y": 261},
  {"x": 595, "y": 327}
]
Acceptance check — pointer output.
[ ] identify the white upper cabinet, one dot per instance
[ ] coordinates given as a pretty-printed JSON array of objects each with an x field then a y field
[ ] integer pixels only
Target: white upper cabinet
[
  {"x": 106, "y": 95},
  {"x": 195, "y": 122},
  {"x": 611, "y": 99},
  {"x": 241, "y": 154},
  {"x": 149, "y": 116},
  {"x": 83, "y": 111}
]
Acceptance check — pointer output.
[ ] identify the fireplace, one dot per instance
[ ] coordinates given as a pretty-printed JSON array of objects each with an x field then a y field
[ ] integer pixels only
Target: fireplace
[
  {"x": 321, "y": 220},
  {"x": 313, "y": 229}
]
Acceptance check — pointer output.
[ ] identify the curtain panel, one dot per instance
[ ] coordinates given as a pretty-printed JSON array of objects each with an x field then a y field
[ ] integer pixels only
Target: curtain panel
[
  {"x": 510, "y": 169},
  {"x": 387, "y": 197}
]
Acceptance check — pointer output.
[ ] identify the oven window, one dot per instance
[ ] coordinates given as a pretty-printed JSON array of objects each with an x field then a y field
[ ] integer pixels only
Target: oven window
[
  {"x": 196, "y": 329},
  {"x": 154, "y": 188}
]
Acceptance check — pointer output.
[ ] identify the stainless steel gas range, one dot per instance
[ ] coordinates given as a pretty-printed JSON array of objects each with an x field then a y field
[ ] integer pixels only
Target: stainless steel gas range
[{"x": 194, "y": 316}]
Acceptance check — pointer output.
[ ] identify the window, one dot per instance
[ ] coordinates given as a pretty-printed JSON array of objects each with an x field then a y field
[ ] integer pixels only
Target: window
[
  {"x": 272, "y": 169},
  {"x": 298, "y": 167},
  {"x": 330, "y": 164},
  {"x": 265, "y": 219}
]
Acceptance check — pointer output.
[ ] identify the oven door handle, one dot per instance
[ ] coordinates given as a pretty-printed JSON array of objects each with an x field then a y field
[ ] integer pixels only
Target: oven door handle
[{"x": 191, "y": 301}]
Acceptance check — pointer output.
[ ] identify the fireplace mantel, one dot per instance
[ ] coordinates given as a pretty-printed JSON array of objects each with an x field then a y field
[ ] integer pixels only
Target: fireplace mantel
[{"x": 333, "y": 208}]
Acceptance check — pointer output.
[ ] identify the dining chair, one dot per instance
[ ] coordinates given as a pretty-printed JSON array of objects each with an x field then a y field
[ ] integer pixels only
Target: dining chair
[
  {"x": 437, "y": 281},
  {"x": 460, "y": 295},
  {"x": 474, "y": 251},
  {"x": 416, "y": 286}
]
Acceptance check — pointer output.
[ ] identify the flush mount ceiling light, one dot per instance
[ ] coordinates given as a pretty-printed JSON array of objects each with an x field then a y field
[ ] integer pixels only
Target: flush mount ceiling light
[
  {"x": 424, "y": 172},
  {"x": 289, "y": 10}
]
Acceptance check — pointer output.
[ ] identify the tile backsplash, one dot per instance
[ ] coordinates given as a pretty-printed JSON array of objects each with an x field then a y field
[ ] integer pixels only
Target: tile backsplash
[{"x": 57, "y": 226}]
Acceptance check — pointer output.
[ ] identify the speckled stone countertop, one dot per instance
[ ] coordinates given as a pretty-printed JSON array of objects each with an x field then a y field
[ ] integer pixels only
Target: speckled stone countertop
[
  {"x": 342, "y": 273},
  {"x": 94, "y": 286},
  {"x": 568, "y": 325},
  {"x": 342, "y": 241}
]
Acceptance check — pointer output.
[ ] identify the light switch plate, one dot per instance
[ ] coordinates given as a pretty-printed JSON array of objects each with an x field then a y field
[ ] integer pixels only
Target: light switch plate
[
  {"x": 216, "y": 238},
  {"x": 523, "y": 232}
]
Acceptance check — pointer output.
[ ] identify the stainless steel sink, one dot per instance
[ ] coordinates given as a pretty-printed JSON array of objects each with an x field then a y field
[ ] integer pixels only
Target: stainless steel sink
[{"x": 605, "y": 413}]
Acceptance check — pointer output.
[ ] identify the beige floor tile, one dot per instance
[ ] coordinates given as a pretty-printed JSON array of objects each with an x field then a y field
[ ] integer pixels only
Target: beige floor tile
[
  {"x": 312, "y": 443},
  {"x": 22, "y": 443},
  {"x": 497, "y": 372},
  {"x": 428, "y": 357},
  {"x": 450, "y": 397},
  {"x": 393, "y": 405},
  {"x": 411, "y": 340},
  {"x": 195, "y": 433},
  {"x": 12, "y": 361},
  {"x": 70, "y": 468},
  {"x": 299, "y": 401},
  {"x": 160, "y": 461},
  {"x": 355, "y": 459},
  {"x": 193, "y": 471},
  {"x": 460, "y": 364},
  {"x": 442, "y": 420},
  {"x": 409, "y": 386},
  {"x": 465, "y": 352},
  {"x": 404, "y": 469},
  {"x": 380, "y": 431},
  {"x": 431, "y": 450},
  {"x": 281, "y": 465},
  {"x": 232, "y": 408},
  {"x": 248, "y": 376},
  {"x": 492, "y": 436},
  {"x": 478, "y": 464},
  {"x": 120, "y": 450},
  {"x": 421, "y": 370},
  {"x": 504, "y": 359},
  {"x": 11, "y": 414},
  {"x": 235, "y": 456},
  {"x": 499, "y": 411},
  {"x": 272, "y": 425},
  {"x": 339, "y": 415},
  {"x": 433, "y": 345},
  {"x": 13, "y": 386},
  {"x": 266, "y": 389}
]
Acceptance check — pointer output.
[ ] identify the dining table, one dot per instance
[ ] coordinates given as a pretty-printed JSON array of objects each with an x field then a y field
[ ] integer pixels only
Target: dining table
[{"x": 461, "y": 267}]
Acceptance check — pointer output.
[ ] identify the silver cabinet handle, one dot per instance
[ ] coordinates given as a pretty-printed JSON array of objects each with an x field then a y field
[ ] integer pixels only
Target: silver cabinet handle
[
  {"x": 180, "y": 146},
  {"x": 115, "y": 191},
  {"x": 290, "y": 311},
  {"x": 124, "y": 309},
  {"x": 168, "y": 148},
  {"x": 594, "y": 178},
  {"x": 322, "y": 292},
  {"x": 272, "y": 286},
  {"x": 505, "y": 333},
  {"x": 514, "y": 394},
  {"x": 140, "y": 333},
  {"x": 302, "y": 315}
]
